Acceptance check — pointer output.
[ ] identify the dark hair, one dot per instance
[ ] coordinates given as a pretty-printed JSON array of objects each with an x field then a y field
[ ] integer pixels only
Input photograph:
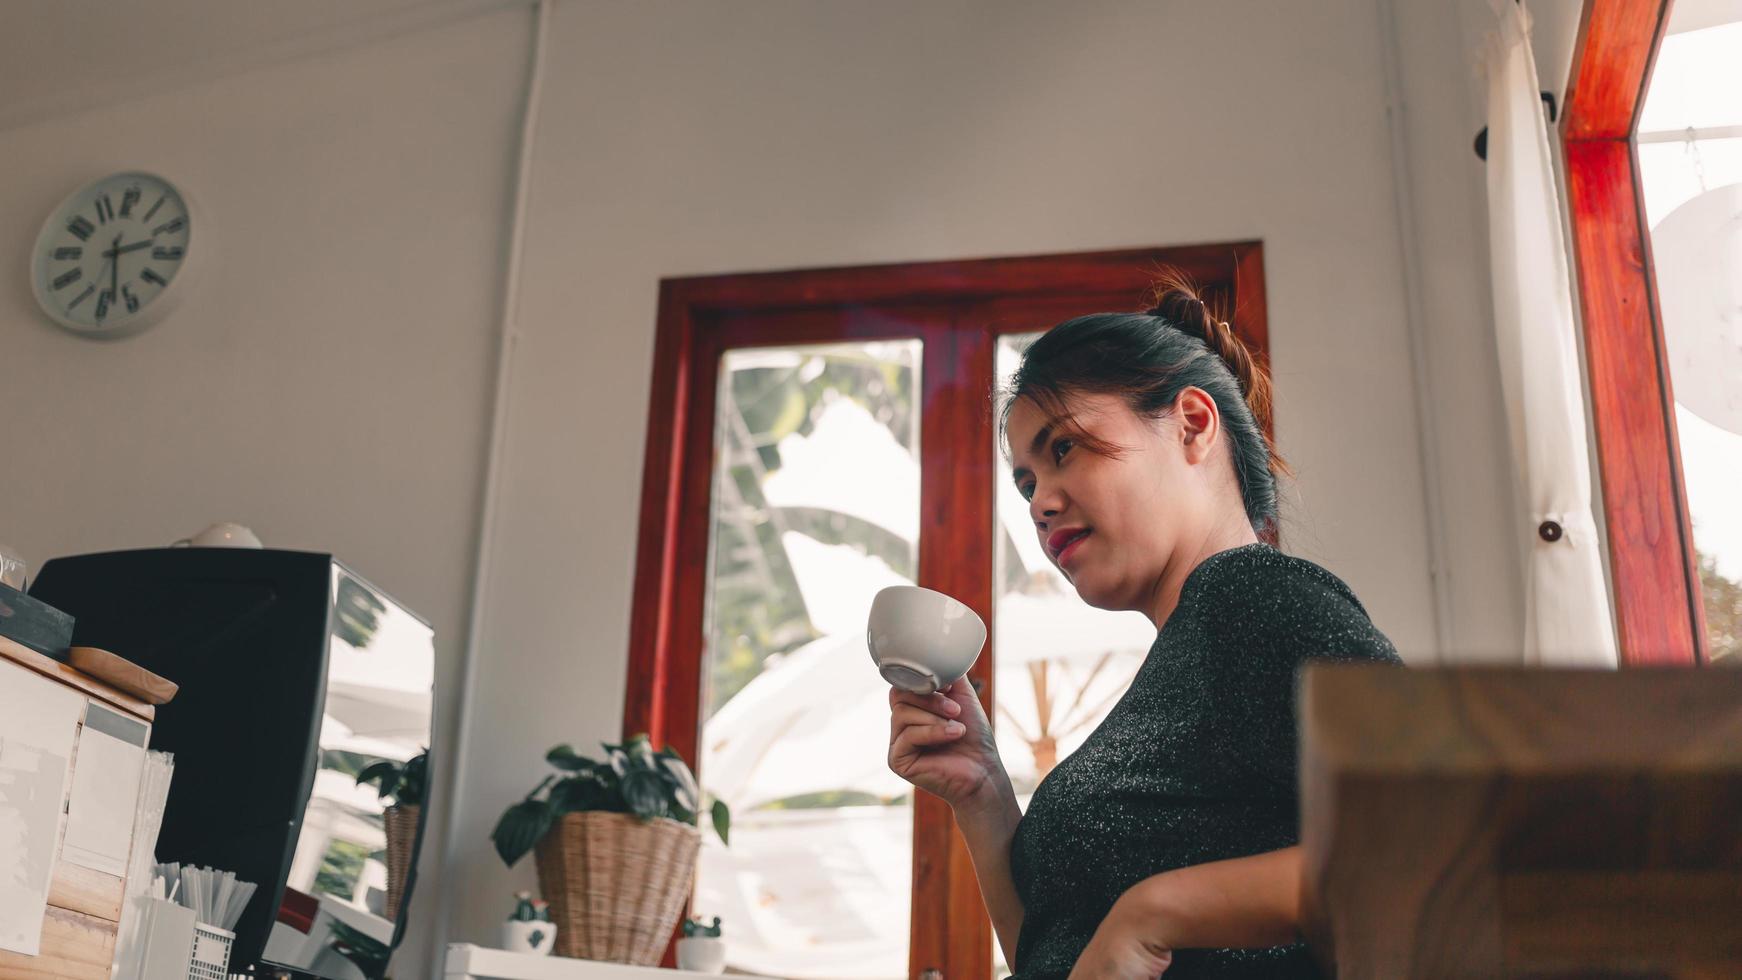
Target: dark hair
[{"x": 1148, "y": 358}]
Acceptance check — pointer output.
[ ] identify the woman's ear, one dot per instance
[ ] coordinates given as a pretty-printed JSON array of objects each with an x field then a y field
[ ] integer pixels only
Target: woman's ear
[{"x": 1200, "y": 425}]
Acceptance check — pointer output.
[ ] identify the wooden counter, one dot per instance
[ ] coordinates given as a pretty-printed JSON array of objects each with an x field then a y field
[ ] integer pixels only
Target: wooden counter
[
  {"x": 78, "y": 934},
  {"x": 1523, "y": 823}
]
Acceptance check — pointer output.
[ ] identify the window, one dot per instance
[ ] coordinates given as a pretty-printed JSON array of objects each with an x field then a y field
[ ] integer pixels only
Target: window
[
  {"x": 814, "y": 436},
  {"x": 815, "y": 508},
  {"x": 1653, "y": 138},
  {"x": 1690, "y": 179}
]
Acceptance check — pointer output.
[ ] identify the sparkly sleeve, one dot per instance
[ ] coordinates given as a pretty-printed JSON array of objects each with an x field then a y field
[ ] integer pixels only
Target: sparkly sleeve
[{"x": 1267, "y": 623}]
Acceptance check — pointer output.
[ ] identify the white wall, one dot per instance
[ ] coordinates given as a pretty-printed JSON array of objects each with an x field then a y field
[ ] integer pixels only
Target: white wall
[
  {"x": 682, "y": 138},
  {"x": 327, "y": 380},
  {"x": 362, "y": 199}
]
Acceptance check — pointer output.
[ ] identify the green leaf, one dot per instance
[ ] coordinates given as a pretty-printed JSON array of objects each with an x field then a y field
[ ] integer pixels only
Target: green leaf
[
  {"x": 688, "y": 794},
  {"x": 640, "y": 752},
  {"x": 378, "y": 771},
  {"x": 546, "y": 781},
  {"x": 645, "y": 794},
  {"x": 414, "y": 779},
  {"x": 722, "y": 821},
  {"x": 580, "y": 793},
  {"x": 563, "y": 757},
  {"x": 520, "y": 829},
  {"x": 618, "y": 759}
]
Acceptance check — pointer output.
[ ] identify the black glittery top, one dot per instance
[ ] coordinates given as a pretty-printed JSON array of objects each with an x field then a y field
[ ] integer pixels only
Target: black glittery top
[{"x": 1195, "y": 763}]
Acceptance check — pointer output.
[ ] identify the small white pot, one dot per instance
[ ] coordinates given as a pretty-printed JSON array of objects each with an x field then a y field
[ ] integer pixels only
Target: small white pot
[
  {"x": 701, "y": 954},
  {"x": 529, "y": 937}
]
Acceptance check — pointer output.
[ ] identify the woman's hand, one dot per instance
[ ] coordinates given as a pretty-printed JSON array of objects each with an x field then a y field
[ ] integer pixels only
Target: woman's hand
[
  {"x": 1126, "y": 946},
  {"x": 942, "y": 743}
]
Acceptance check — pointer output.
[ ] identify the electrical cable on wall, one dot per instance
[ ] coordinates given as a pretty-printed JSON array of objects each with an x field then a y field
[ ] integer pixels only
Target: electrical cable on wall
[{"x": 508, "y": 335}]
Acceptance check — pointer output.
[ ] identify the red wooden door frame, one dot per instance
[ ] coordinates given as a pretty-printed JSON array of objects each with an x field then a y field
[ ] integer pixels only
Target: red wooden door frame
[
  {"x": 701, "y": 317},
  {"x": 1653, "y": 567}
]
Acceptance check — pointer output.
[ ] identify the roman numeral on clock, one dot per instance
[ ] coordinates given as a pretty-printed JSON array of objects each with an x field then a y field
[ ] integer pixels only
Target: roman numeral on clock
[
  {"x": 80, "y": 298},
  {"x": 68, "y": 252},
  {"x": 132, "y": 300},
  {"x": 104, "y": 298},
  {"x": 105, "y": 209},
  {"x": 81, "y": 228},
  {"x": 151, "y": 276},
  {"x": 168, "y": 227},
  {"x": 67, "y": 278},
  {"x": 172, "y": 252},
  {"x": 129, "y": 197}
]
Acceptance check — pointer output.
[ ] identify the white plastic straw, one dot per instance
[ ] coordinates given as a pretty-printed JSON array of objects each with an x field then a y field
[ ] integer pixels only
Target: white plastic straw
[{"x": 217, "y": 898}]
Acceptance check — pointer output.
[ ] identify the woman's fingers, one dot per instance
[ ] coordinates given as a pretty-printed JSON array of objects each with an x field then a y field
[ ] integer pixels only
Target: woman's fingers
[
  {"x": 964, "y": 686},
  {"x": 910, "y": 737},
  {"x": 906, "y": 715},
  {"x": 937, "y": 704}
]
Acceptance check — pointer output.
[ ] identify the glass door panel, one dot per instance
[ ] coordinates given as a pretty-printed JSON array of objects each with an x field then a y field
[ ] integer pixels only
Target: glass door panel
[
  {"x": 1690, "y": 162},
  {"x": 815, "y": 507}
]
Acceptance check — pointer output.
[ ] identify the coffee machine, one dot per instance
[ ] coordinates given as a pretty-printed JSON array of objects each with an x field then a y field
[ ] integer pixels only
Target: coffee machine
[{"x": 296, "y": 673}]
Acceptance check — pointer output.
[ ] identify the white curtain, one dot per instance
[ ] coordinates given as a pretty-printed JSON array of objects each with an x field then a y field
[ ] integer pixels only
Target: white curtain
[{"x": 1567, "y": 613}]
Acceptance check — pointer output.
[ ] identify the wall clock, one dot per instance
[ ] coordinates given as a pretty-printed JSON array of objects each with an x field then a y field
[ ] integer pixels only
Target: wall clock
[{"x": 112, "y": 259}]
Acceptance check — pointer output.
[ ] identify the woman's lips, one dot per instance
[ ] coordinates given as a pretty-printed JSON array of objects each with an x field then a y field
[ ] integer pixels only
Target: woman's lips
[{"x": 1069, "y": 551}]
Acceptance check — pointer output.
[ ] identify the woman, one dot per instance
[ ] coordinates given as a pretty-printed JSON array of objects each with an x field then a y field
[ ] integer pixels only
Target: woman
[{"x": 1167, "y": 841}]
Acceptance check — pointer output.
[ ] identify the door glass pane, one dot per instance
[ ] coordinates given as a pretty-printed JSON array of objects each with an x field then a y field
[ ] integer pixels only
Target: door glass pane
[
  {"x": 1690, "y": 159},
  {"x": 1061, "y": 664},
  {"x": 815, "y": 508}
]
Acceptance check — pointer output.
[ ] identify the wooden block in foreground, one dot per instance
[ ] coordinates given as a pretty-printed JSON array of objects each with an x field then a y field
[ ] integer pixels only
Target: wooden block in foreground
[
  {"x": 1491, "y": 822},
  {"x": 79, "y": 889},
  {"x": 74, "y": 947}
]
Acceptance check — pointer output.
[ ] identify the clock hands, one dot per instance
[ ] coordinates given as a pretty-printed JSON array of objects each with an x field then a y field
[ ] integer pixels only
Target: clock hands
[
  {"x": 124, "y": 249},
  {"x": 112, "y": 255}
]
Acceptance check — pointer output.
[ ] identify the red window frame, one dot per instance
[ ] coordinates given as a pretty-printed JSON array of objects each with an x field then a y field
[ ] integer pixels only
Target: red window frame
[
  {"x": 701, "y": 317},
  {"x": 1653, "y": 567}
]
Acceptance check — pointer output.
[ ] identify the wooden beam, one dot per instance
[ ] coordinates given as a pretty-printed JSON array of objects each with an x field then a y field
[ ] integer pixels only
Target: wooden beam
[
  {"x": 1612, "y": 60},
  {"x": 1486, "y": 822}
]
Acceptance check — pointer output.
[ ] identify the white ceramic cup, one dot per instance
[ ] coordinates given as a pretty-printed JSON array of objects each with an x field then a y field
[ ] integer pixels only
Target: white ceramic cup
[
  {"x": 922, "y": 641},
  {"x": 225, "y": 534}
]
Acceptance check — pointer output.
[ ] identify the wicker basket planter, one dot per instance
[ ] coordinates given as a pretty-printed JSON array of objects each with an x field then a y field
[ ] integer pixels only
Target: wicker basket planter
[
  {"x": 401, "y": 823},
  {"x": 616, "y": 886}
]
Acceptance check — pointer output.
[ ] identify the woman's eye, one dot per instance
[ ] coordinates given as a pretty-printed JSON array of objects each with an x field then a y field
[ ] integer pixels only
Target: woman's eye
[{"x": 1059, "y": 449}]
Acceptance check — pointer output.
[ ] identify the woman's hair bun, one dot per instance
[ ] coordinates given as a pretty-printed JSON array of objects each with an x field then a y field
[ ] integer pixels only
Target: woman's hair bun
[{"x": 1178, "y": 303}]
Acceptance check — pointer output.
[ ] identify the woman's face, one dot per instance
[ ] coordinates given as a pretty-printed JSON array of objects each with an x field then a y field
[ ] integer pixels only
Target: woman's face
[{"x": 1111, "y": 523}]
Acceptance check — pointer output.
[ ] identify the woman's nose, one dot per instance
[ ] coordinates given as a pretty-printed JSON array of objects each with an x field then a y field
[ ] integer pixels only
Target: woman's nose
[{"x": 1043, "y": 508}]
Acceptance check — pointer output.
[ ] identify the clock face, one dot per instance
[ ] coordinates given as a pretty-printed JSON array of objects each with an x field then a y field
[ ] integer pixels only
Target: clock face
[{"x": 110, "y": 253}]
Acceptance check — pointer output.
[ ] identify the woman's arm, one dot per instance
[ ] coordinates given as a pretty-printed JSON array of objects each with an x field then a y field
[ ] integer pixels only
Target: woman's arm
[
  {"x": 1237, "y": 903},
  {"x": 988, "y": 826},
  {"x": 1243, "y": 902},
  {"x": 943, "y": 744}
]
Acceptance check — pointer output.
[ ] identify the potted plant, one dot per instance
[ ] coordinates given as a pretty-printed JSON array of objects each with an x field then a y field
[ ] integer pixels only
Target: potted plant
[
  {"x": 616, "y": 844},
  {"x": 701, "y": 949},
  {"x": 529, "y": 929},
  {"x": 406, "y": 785}
]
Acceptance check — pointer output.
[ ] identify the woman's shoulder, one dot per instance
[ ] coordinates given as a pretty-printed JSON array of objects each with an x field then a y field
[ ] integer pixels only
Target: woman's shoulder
[
  {"x": 1259, "y": 570},
  {"x": 1255, "y": 593}
]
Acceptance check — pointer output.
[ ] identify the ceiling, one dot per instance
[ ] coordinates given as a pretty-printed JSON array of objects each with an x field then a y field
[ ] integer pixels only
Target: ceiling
[{"x": 62, "y": 56}]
